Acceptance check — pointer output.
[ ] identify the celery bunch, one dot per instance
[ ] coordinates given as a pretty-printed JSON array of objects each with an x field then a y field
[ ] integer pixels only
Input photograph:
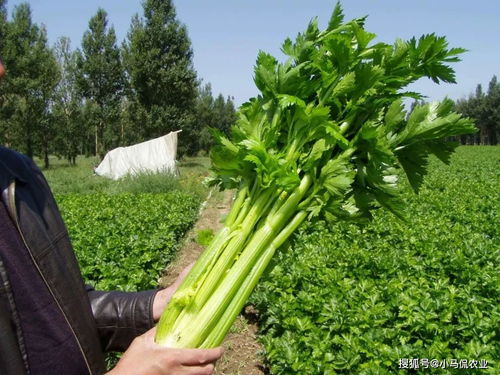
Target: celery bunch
[{"x": 324, "y": 140}]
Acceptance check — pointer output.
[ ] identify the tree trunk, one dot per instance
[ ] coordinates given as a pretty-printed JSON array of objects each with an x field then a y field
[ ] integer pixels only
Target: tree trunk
[
  {"x": 492, "y": 135},
  {"x": 46, "y": 157},
  {"x": 122, "y": 134},
  {"x": 29, "y": 143},
  {"x": 101, "y": 140},
  {"x": 96, "y": 141}
]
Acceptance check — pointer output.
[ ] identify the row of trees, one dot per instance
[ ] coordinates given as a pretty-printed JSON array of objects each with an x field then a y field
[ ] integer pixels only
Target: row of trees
[
  {"x": 55, "y": 100},
  {"x": 484, "y": 108}
]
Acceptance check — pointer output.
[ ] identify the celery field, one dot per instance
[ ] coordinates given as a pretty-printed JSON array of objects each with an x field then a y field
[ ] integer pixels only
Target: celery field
[
  {"x": 126, "y": 232},
  {"x": 355, "y": 300},
  {"x": 124, "y": 241}
]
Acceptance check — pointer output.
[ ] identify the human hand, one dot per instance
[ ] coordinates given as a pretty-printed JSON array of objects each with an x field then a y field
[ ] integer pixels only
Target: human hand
[
  {"x": 164, "y": 295},
  {"x": 145, "y": 357}
]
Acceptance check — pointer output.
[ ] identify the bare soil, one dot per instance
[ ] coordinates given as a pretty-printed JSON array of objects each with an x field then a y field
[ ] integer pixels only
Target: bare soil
[
  {"x": 242, "y": 354},
  {"x": 242, "y": 351}
]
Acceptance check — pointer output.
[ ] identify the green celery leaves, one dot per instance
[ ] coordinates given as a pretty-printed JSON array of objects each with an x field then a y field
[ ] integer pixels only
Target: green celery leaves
[{"x": 337, "y": 93}]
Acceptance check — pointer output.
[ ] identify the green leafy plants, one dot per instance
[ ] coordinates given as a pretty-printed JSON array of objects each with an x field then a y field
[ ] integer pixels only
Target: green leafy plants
[
  {"x": 324, "y": 141},
  {"x": 204, "y": 236},
  {"x": 346, "y": 299},
  {"x": 123, "y": 241}
]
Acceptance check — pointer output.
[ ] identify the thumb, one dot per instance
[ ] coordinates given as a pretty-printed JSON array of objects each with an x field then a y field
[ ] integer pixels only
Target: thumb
[
  {"x": 182, "y": 275},
  {"x": 150, "y": 334}
]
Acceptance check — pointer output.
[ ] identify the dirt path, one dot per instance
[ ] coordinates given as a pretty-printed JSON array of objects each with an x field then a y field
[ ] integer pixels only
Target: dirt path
[
  {"x": 215, "y": 208},
  {"x": 242, "y": 349}
]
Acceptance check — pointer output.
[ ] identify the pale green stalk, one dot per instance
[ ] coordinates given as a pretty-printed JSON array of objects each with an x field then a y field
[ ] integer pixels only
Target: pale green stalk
[
  {"x": 237, "y": 206},
  {"x": 238, "y": 302},
  {"x": 186, "y": 291},
  {"x": 184, "y": 334},
  {"x": 232, "y": 249},
  {"x": 210, "y": 268}
]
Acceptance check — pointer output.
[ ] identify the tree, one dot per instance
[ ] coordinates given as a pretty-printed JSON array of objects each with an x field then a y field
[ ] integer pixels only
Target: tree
[
  {"x": 43, "y": 94},
  {"x": 225, "y": 114},
  {"x": 158, "y": 59},
  {"x": 204, "y": 116},
  {"x": 491, "y": 110},
  {"x": 67, "y": 108},
  {"x": 3, "y": 35},
  {"x": 3, "y": 23},
  {"x": 218, "y": 114},
  {"x": 484, "y": 108},
  {"x": 100, "y": 80},
  {"x": 27, "y": 88},
  {"x": 470, "y": 107}
]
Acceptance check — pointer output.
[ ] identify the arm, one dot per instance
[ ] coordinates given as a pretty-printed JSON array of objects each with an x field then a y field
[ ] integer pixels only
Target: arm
[
  {"x": 122, "y": 316},
  {"x": 144, "y": 356}
]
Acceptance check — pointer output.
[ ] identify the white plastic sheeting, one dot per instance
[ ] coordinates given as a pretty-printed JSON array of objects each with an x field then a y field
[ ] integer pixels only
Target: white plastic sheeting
[{"x": 155, "y": 155}]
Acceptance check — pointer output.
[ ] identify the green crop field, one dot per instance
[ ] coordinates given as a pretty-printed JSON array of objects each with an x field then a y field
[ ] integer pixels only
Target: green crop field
[
  {"x": 372, "y": 300},
  {"x": 123, "y": 241},
  {"x": 126, "y": 232},
  {"x": 342, "y": 299}
]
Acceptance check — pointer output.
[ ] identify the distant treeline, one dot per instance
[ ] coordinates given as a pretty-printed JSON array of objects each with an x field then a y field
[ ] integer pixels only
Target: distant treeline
[
  {"x": 484, "y": 108},
  {"x": 55, "y": 100}
]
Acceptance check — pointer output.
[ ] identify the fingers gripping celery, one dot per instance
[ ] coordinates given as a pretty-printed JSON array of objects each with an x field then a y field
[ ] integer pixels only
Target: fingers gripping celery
[{"x": 325, "y": 140}]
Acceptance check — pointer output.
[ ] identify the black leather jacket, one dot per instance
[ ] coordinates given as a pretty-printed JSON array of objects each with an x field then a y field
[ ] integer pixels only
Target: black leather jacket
[{"x": 100, "y": 321}]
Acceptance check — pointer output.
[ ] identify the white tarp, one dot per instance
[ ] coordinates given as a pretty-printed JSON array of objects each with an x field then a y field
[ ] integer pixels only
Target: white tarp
[{"x": 156, "y": 155}]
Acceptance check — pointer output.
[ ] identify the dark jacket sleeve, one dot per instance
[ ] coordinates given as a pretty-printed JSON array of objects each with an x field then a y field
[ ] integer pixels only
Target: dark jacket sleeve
[{"x": 121, "y": 316}]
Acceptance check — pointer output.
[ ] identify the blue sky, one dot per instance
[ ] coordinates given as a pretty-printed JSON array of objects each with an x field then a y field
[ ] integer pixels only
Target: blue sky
[{"x": 227, "y": 35}]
